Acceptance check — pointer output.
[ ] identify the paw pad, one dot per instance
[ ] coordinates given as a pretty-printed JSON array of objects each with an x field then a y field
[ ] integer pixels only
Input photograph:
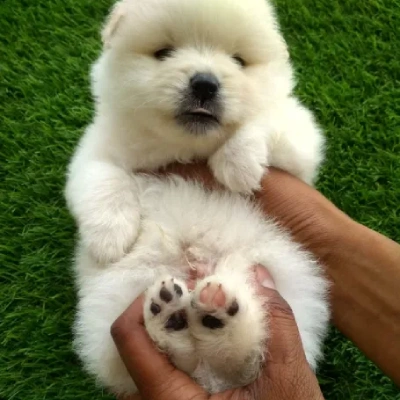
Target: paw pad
[
  {"x": 165, "y": 294},
  {"x": 178, "y": 290},
  {"x": 215, "y": 305},
  {"x": 213, "y": 296},
  {"x": 168, "y": 304},
  {"x": 211, "y": 322},
  {"x": 177, "y": 321},
  {"x": 233, "y": 308},
  {"x": 155, "y": 308}
]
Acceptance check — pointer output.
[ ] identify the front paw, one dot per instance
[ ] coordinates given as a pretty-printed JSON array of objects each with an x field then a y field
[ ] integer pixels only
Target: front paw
[
  {"x": 110, "y": 240},
  {"x": 240, "y": 165},
  {"x": 241, "y": 176}
]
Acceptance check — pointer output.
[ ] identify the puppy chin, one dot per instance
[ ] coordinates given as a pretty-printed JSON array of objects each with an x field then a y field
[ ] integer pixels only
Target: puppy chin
[{"x": 198, "y": 123}]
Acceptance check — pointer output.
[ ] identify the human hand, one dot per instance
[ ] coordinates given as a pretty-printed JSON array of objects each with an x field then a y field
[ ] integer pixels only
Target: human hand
[
  {"x": 286, "y": 374},
  {"x": 311, "y": 218}
]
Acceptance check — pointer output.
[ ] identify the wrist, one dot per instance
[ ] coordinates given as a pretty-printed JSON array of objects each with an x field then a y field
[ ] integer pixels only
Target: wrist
[
  {"x": 312, "y": 220},
  {"x": 327, "y": 241}
]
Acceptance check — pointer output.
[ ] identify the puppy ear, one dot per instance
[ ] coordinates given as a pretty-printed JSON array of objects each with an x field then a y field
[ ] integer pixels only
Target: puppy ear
[{"x": 112, "y": 22}]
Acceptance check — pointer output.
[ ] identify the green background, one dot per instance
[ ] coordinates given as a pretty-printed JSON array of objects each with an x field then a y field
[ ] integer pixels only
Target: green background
[{"x": 347, "y": 56}]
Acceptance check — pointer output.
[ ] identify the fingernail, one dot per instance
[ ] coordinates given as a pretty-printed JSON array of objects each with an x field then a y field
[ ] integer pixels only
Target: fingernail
[{"x": 263, "y": 277}]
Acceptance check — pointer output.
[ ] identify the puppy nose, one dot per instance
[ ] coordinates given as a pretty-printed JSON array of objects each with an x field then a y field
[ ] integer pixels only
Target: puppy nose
[{"x": 204, "y": 86}]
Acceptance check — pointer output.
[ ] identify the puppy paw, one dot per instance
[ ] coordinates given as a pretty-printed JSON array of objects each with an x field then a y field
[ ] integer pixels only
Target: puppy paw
[
  {"x": 226, "y": 321},
  {"x": 165, "y": 316},
  {"x": 165, "y": 308},
  {"x": 214, "y": 304},
  {"x": 240, "y": 165},
  {"x": 110, "y": 239}
]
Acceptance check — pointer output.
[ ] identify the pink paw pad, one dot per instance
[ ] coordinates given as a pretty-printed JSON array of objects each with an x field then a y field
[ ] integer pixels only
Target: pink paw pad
[{"x": 213, "y": 296}]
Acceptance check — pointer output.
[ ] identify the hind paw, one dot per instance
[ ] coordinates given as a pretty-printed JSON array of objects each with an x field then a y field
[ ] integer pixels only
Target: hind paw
[
  {"x": 214, "y": 304},
  {"x": 165, "y": 307}
]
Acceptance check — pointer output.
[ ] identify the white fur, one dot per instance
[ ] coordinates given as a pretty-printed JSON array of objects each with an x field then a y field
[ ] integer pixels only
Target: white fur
[
  {"x": 185, "y": 227},
  {"x": 135, "y": 228}
]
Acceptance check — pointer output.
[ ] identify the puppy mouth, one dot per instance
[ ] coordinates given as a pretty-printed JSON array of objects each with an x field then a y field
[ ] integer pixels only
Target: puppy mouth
[
  {"x": 200, "y": 114},
  {"x": 198, "y": 119}
]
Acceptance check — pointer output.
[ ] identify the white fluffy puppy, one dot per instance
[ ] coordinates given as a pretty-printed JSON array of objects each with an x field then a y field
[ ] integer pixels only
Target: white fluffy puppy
[{"x": 180, "y": 80}]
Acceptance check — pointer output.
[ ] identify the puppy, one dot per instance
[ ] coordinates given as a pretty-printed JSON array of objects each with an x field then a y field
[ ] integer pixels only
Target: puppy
[{"x": 181, "y": 80}]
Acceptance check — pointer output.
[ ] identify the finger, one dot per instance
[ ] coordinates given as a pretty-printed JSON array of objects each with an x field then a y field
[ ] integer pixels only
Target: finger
[
  {"x": 284, "y": 345},
  {"x": 144, "y": 363},
  {"x": 153, "y": 374}
]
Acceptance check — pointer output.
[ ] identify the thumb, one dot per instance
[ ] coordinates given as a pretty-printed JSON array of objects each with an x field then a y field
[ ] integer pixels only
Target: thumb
[
  {"x": 284, "y": 346},
  {"x": 286, "y": 374},
  {"x": 153, "y": 374},
  {"x": 135, "y": 347}
]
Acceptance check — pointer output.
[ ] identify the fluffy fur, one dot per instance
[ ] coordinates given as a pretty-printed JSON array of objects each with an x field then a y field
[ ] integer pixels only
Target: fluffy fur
[{"x": 138, "y": 232}]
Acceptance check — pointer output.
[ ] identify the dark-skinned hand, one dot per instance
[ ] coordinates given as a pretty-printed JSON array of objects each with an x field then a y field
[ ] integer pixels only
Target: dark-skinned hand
[{"x": 286, "y": 374}]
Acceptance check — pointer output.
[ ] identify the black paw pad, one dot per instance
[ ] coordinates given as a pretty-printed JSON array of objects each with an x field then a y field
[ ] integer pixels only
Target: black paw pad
[
  {"x": 177, "y": 321},
  {"x": 211, "y": 322},
  {"x": 178, "y": 290},
  {"x": 233, "y": 309},
  {"x": 165, "y": 294},
  {"x": 155, "y": 308}
]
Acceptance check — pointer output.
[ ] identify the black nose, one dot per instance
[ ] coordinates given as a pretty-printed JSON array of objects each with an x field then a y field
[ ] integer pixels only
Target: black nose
[{"x": 204, "y": 86}]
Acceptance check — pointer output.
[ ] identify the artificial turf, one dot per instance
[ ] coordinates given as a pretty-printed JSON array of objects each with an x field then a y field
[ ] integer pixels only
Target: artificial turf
[{"x": 347, "y": 56}]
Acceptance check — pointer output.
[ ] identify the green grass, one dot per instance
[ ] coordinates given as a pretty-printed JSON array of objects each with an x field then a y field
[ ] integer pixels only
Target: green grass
[{"x": 347, "y": 56}]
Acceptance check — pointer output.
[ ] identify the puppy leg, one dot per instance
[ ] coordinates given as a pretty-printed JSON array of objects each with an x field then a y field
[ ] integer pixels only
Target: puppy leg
[
  {"x": 241, "y": 162},
  {"x": 165, "y": 313},
  {"x": 103, "y": 200},
  {"x": 297, "y": 144},
  {"x": 226, "y": 321}
]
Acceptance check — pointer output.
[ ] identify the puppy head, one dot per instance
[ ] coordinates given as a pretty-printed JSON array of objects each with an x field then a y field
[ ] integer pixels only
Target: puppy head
[{"x": 198, "y": 66}]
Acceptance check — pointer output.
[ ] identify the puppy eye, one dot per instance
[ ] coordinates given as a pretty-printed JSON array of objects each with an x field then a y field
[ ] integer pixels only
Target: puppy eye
[
  {"x": 239, "y": 60},
  {"x": 162, "y": 54}
]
